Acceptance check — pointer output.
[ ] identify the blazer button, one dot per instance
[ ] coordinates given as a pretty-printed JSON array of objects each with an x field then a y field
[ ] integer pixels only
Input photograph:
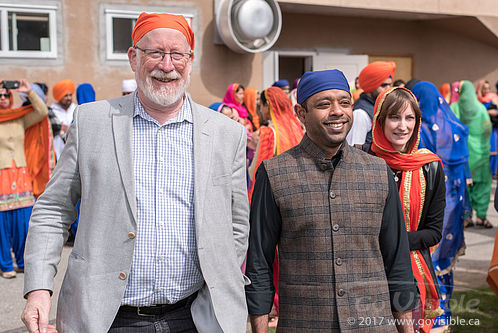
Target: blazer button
[
  {"x": 338, "y": 261},
  {"x": 332, "y": 194},
  {"x": 341, "y": 292},
  {"x": 122, "y": 276},
  {"x": 131, "y": 235},
  {"x": 335, "y": 227}
]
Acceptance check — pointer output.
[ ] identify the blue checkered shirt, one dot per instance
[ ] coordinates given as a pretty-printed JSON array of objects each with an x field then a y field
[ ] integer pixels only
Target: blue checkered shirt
[{"x": 165, "y": 266}]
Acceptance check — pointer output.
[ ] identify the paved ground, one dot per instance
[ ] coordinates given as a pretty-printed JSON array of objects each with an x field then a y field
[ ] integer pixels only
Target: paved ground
[{"x": 470, "y": 272}]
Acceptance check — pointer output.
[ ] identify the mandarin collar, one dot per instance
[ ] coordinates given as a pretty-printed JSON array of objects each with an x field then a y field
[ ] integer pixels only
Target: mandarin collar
[{"x": 319, "y": 155}]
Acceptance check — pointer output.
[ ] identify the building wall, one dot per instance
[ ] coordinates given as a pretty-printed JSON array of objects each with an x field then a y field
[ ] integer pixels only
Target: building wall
[
  {"x": 83, "y": 59},
  {"x": 438, "y": 55}
]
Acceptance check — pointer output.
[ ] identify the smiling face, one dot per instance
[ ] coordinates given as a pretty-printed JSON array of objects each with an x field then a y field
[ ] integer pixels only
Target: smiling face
[
  {"x": 161, "y": 82},
  {"x": 327, "y": 116},
  {"x": 398, "y": 128},
  {"x": 399, "y": 118}
]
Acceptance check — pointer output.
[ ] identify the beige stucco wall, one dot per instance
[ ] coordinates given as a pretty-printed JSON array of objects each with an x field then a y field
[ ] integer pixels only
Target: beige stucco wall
[
  {"x": 451, "y": 7},
  {"x": 438, "y": 55},
  {"x": 215, "y": 66}
]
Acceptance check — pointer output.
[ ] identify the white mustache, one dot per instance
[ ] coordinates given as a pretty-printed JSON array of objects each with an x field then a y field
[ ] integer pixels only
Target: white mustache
[{"x": 161, "y": 75}]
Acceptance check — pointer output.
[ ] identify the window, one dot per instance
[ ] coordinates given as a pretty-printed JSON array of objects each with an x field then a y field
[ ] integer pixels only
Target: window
[
  {"x": 28, "y": 31},
  {"x": 119, "y": 26}
]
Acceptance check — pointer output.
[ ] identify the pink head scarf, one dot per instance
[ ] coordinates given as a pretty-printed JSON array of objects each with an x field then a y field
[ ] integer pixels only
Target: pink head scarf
[
  {"x": 230, "y": 100},
  {"x": 454, "y": 94}
]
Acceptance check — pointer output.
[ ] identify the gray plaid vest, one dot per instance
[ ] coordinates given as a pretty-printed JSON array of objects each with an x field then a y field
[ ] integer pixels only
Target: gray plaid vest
[{"x": 330, "y": 264}]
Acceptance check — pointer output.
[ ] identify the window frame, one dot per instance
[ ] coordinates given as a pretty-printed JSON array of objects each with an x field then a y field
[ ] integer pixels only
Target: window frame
[
  {"x": 34, "y": 9},
  {"x": 110, "y": 13}
]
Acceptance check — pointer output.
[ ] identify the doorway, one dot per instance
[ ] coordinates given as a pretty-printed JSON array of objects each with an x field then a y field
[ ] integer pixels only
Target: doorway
[{"x": 292, "y": 67}]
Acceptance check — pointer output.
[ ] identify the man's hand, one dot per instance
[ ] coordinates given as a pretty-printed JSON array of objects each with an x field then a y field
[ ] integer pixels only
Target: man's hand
[
  {"x": 259, "y": 323},
  {"x": 36, "y": 312},
  {"x": 404, "y": 325}
]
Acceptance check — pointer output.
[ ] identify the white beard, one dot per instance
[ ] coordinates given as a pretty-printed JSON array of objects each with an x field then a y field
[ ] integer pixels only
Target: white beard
[{"x": 164, "y": 96}]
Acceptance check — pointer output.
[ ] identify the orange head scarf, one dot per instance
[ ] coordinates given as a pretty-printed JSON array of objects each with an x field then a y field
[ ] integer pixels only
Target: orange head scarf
[
  {"x": 445, "y": 91},
  {"x": 147, "y": 22},
  {"x": 286, "y": 132},
  {"x": 372, "y": 76},
  {"x": 287, "y": 127},
  {"x": 250, "y": 103},
  {"x": 411, "y": 190},
  {"x": 62, "y": 88}
]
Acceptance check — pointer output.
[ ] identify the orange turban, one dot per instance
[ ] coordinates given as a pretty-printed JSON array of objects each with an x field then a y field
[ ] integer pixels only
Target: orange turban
[
  {"x": 63, "y": 87},
  {"x": 147, "y": 22},
  {"x": 372, "y": 76}
]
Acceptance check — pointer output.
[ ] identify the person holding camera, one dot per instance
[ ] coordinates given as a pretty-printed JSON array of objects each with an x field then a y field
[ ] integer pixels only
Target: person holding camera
[{"x": 18, "y": 129}]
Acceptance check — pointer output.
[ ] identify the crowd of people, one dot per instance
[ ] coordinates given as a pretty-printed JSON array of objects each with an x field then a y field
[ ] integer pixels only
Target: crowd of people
[
  {"x": 302, "y": 205},
  {"x": 31, "y": 141},
  {"x": 457, "y": 174}
]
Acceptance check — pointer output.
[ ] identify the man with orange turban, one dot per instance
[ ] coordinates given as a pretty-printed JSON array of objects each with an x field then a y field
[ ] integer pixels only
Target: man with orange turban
[
  {"x": 63, "y": 108},
  {"x": 164, "y": 218},
  {"x": 373, "y": 79}
]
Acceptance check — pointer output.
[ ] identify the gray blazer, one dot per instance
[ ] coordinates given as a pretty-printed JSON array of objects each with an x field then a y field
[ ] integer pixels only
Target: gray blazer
[{"x": 97, "y": 166}]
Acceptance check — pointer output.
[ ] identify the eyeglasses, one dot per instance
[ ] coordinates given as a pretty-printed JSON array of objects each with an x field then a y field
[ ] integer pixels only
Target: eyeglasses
[
  {"x": 158, "y": 55},
  {"x": 6, "y": 95},
  {"x": 386, "y": 85}
]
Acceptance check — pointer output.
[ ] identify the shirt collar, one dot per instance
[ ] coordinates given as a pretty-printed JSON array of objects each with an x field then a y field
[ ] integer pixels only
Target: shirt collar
[
  {"x": 185, "y": 113},
  {"x": 320, "y": 156}
]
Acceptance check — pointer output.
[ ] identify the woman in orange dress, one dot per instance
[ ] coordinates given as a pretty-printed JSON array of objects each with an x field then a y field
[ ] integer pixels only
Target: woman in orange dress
[
  {"x": 282, "y": 133},
  {"x": 24, "y": 156},
  {"x": 250, "y": 102}
]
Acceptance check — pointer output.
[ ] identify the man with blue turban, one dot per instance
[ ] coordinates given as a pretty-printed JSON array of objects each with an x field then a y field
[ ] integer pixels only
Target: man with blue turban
[
  {"x": 335, "y": 213},
  {"x": 282, "y": 84}
]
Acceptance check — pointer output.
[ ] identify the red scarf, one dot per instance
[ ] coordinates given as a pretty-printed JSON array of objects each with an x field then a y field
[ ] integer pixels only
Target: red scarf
[{"x": 412, "y": 195}]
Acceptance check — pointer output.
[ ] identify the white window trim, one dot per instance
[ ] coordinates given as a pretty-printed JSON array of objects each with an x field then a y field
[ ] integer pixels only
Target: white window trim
[
  {"x": 50, "y": 10},
  {"x": 112, "y": 13}
]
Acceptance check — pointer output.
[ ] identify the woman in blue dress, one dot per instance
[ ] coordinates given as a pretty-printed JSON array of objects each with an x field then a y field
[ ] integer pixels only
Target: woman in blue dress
[{"x": 443, "y": 134}]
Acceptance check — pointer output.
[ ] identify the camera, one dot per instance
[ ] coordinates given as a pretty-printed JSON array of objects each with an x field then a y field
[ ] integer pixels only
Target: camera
[{"x": 10, "y": 84}]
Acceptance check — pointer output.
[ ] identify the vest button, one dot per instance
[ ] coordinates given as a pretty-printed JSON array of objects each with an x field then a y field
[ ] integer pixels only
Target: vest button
[
  {"x": 338, "y": 261},
  {"x": 131, "y": 235},
  {"x": 332, "y": 195},
  {"x": 323, "y": 166},
  {"x": 341, "y": 292},
  {"x": 335, "y": 227},
  {"x": 122, "y": 276}
]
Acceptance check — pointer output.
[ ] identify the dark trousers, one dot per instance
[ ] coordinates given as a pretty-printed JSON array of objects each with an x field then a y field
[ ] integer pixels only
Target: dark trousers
[{"x": 175, "y": 321}]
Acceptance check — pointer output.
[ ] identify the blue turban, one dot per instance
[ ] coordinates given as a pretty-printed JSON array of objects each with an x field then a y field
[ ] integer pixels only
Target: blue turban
[
  {"x": 85, "y": 93},
  {"x": 281, "y": 83},
  {"x": 314, "y": 82},
  {"x": 216, "y": 106}
]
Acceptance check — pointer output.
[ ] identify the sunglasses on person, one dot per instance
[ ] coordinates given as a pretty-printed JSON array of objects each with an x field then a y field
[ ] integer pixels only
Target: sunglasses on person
[{"x": 6, "y": 95}]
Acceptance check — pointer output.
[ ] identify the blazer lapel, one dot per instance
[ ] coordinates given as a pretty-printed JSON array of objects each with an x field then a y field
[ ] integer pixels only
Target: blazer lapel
[
  {"x": 122, "y": 129},
  {"x": 202, "y": 158}
]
